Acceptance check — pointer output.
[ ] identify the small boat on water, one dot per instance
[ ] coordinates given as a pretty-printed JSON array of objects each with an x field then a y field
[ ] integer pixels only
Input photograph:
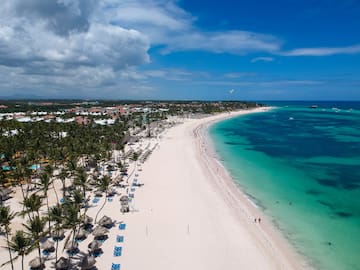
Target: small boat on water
[{"x": 313, "y": 106}]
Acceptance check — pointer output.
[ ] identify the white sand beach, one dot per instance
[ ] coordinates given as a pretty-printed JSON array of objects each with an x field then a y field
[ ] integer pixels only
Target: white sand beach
[
  {"x": 187, "y": 215},
  {"x": 191, "y": 215}
]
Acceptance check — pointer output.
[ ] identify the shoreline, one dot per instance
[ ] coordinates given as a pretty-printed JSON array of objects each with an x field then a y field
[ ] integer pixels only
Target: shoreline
[
  {"x": 243, "y": 207},
  {"x": 184, "y": 216},
  {"x": 192, "y": 215}
]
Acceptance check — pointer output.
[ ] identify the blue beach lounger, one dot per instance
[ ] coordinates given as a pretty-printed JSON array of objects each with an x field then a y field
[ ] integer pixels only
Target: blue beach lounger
[
  {"x": 122, "y": 226},
  {"x": 117, "y": 251},
  {"x": 115, "y": 266},
  {"x": 119, "y": 238}
]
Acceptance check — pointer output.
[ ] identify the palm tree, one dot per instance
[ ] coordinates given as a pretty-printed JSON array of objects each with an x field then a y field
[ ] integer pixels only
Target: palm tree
[
  {"x": 49, "y": 169},
  {"x": 56, "y": 214},
  {"x": 21, "y": 244},
  {"x": 45, "y": 183},
  {"x": 6, "y": 217},
  {"x": 71, "y": 220},
  {"x": 81, "y": 180},
  {"x": 103, "y": 185},
  {"x": 32, "y": 204},
  {"x": 63, "y": 175},
  {"x": 36, "y": 228}
]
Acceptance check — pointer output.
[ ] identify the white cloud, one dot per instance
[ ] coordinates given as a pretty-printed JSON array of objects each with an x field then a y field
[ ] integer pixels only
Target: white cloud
[
  {"x": 236, "y": 75},
  {"x": 62, "y": 47},
  {"x": 170, "y": 26},
  {"x": 262, "y": 59},
  {"x": 64, "y": 44},
  {"x": 322, "y": 51}
]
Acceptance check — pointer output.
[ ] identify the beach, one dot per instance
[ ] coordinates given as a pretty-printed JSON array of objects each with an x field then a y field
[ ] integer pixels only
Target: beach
[
  {"x": 192, "y": 216},
  {"x": 187, "y": 213}
]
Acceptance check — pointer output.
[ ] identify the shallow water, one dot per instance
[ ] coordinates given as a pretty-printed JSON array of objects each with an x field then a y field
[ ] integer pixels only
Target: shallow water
[{"x": 302, "y": 166}]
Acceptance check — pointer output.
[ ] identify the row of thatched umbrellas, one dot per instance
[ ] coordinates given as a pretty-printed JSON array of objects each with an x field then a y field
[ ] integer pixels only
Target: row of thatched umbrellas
[{"x": 87, "y": 262}]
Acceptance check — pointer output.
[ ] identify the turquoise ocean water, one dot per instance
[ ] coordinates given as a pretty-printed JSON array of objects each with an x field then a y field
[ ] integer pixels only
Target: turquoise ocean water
[{"x": 302, "y": 167}]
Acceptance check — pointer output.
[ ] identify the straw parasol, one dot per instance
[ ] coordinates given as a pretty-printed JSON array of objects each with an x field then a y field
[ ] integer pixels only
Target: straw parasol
[
  {"x": 71, "y": 245},
  {"x": 98, "y": 193},
  {"x": 36, "y": 263},
  {"x": 111, "y": 191},
  {"x": 124, "y": 198},
  {"x": 62, "y": 264},
  {"x": 6, "y": 191},
  {"x": 95, "y": 245},
  {"x": 58, "y": 234},
  {"x": 99, "y": 232},
  {"x": 81, "y": 234},
  {"x": 88, "y": 220},
  {"x": 124, "y": 208},
  {"x": 87, "y": 262},
  {"x": 106, "y": 221},
  {"x": 48, "y": 245}
]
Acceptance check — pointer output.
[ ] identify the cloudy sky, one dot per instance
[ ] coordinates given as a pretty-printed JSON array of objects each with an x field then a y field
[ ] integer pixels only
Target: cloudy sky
[{"x": 180, "y": 49}]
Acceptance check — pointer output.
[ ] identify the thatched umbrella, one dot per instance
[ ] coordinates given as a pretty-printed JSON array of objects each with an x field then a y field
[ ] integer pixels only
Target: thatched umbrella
[
  {"x": 100, "y": 232},
  {"x": 98, "y": 193},
  {"x": 111, "y": 191},
  {"x": 81, "y": 234},
  {"x": 6, "y": 191},
  {"x": 106, "y": 221},
  {"x": 71, "y": 245},
  {"x": 58, "y": 234},
  {"x": 48, "y": 245},
  {"x": 62, "y": 264},
  {"x": 95, "y": 245},
  {"x": 36, "y": 263},
  {"x": 87, "y": 262},
  {"x": 124, "y": 208},
  {"x": 88, "y": 220},
  {"x": 124, "y": 198},
  {"x": 4, "y": 194}
]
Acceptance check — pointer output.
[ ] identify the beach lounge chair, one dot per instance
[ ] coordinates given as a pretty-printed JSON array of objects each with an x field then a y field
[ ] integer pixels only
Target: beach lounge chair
[
  {"x": 122, "y": 226},
  {"x": 117, "y": 251},
  {"x": 119, "y": 238},
  {"x": 115, "y": 266}
]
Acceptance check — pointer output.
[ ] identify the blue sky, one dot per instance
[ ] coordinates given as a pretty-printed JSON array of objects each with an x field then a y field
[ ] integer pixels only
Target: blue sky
[{"x": 168, "y": 49}]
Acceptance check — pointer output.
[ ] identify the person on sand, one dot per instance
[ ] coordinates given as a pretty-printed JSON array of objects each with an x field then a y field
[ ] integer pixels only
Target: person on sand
[
  {"x": 255, "y": 220},
  {"x": 259, "y": 220}
]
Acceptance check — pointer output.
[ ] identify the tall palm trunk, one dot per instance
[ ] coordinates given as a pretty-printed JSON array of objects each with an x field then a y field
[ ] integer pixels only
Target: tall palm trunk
[
  {"x": 72, "y": 245},
  {"x": 56, "y": 250},
  {"x": 7, "y": 230},
  {"x": 63, "y": 187},
  {"x": 22, "y": 262},
  {"x": 38, "y": 247},
  {"x": 56, "y": 194},
  {"x": 101, "y": 208},
  {"x": 48, "y": 210}
]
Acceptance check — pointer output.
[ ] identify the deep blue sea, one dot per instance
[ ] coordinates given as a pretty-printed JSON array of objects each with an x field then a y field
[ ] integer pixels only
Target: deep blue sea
[{"x": 301, "y": 165}]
